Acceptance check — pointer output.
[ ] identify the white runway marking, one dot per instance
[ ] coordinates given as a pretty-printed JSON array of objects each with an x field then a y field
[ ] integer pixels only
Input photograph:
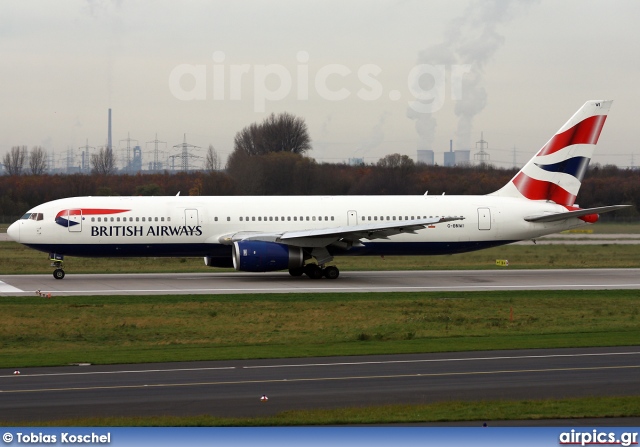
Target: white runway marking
[
  {"x": 382, "y": 362},
  {"x": 462, "y": 359},
  {"x": 89, "y": 373},
  {"x": 6, "y": 288}
]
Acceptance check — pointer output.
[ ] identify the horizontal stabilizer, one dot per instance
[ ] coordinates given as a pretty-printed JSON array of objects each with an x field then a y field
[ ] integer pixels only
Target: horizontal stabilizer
[{"x": 577, "y": 213}]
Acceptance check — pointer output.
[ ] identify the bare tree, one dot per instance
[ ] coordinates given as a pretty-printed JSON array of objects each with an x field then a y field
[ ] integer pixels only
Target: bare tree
[
  {"x": 14, "y": 160},
  {"x": 286, "y": 133},
  {"x": 249, "y": 140},
  {"x": 396, "y": 161},
  {"x": 212, "y": 161},
  {"x": 277, "y": 133},
  {"x": 104, "y": 162},
  {"x": 37, "y": 160}
]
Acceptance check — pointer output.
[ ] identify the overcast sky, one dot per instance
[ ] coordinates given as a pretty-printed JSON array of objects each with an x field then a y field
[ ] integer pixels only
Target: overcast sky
[{"x": 515, "y": 70}]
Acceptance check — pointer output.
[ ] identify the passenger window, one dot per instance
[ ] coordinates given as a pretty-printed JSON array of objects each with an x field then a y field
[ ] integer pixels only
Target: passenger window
[
  {"x": 112, "y": 219},
  {"x": 295, "y": 218},
  {"x": 270, "y": 219},
  {"x": 331, "y": 217},
  {"x": 93, "y": 219},
  {"x": 143, "y": 219},
  {"x": 259, "y": 218},
  {"x": 253, "y": 219},
  {"x": 162, "y": 219},
  {"x": 215, "y": 219},
  {"x": 228, "y": 219},
  {"x": 169, "y": 219},
  {"x": 240, "y": 218}
]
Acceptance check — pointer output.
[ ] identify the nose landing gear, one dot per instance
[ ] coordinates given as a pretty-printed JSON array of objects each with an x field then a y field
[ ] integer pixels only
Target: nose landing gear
[{"x": 56, "y": 261}]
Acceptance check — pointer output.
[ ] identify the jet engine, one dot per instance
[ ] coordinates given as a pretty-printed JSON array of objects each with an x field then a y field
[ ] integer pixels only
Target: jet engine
[{"x": 258, "y": 256}]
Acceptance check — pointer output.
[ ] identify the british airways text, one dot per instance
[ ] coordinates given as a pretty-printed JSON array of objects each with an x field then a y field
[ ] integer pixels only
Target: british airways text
[{"x": 138, "y": 230}]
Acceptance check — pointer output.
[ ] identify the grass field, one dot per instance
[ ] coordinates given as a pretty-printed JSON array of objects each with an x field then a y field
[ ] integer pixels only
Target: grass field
[
  {"x": 593, "y": 407},
  {"x": 138, "y": 329},
  {"x": 18, "y": 259}
]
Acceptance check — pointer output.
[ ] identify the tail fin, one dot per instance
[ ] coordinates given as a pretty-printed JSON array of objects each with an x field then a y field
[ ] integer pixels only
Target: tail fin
[{"x": 555, "y": 173}]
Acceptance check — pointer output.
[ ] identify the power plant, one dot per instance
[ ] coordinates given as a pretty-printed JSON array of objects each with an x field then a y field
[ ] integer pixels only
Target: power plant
[{"x": 129, "y": 156}]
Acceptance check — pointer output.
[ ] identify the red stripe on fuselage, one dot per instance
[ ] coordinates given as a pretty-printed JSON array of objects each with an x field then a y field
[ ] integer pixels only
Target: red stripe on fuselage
[{"x": 586, "y": 131}]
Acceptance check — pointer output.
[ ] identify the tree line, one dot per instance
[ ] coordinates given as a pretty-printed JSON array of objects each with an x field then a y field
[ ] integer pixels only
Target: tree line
[
  {"x": 293, "y": 174},
  {"x": 270, "y": 158}
]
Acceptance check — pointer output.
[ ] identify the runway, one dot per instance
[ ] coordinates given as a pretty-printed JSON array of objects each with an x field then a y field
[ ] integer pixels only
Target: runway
[
  {"x": 234, "y": 388},
  {"x": 279, "y": 282}
]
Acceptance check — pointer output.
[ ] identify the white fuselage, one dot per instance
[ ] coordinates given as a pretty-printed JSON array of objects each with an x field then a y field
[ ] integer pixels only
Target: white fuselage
[{"x": 194, "y": 226}]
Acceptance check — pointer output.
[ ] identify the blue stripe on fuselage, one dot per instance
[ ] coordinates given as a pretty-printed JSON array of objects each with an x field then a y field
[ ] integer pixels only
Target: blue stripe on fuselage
[{"x": 196, "y": 250}]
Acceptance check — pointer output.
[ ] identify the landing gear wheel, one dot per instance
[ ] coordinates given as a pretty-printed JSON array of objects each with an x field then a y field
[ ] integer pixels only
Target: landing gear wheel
[
  {"x": 331, "y": 272},
  {"x": 58, "y": 273},
  {"x": 313, "y": 271},
  {"x": 298, "y": 271}
]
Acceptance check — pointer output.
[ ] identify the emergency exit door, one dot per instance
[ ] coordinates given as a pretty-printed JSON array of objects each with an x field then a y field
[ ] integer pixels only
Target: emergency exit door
[
  {"x": 484, "y": 219},
  {"x": 74, "y": 217},
  {"x": 191, "y": 218}
]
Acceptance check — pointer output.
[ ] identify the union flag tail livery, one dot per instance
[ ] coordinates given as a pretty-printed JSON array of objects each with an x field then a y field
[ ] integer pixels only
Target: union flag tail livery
[
  {"x": 555, "y": 173},
  {"x": 303, "y": 234}
]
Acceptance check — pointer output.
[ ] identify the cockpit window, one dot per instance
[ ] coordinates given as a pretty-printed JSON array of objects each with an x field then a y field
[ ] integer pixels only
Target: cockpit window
[
  {"x": 33, "y": 216},
  {"x": 26, "y": 216}
]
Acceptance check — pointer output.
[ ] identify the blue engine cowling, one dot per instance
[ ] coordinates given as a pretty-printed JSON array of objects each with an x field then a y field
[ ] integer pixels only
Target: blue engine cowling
[{"x": 258, "y": 256}]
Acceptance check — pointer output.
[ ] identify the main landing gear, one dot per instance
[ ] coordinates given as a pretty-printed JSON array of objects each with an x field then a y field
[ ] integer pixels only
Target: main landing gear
[
  {"x": 56, "y": 261},
  {"x": 315, "y": 271}
]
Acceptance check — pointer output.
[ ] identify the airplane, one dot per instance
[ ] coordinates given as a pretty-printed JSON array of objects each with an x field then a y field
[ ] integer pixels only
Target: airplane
[{"x": 264, "y": 234}]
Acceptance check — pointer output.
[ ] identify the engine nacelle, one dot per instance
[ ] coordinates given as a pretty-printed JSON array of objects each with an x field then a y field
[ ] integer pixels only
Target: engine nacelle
[
  {"x": 258, "y": 256},
  {"x": 218, "y": 261}
]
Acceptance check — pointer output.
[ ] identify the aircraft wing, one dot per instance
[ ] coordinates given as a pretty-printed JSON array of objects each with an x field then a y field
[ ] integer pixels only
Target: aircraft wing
[
  {"x": 344, "y": 236},
  {"x": 577, "y": 213}
]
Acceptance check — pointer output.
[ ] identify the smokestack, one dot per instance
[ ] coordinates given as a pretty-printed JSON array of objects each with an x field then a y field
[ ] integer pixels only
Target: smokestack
[
  {"x": 450, "y": 143},
  {"x": 109, "y": 132}
]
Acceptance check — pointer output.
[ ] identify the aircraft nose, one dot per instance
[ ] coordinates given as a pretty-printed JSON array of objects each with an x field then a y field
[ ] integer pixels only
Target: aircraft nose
[{"x": 14, "y": 231}]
